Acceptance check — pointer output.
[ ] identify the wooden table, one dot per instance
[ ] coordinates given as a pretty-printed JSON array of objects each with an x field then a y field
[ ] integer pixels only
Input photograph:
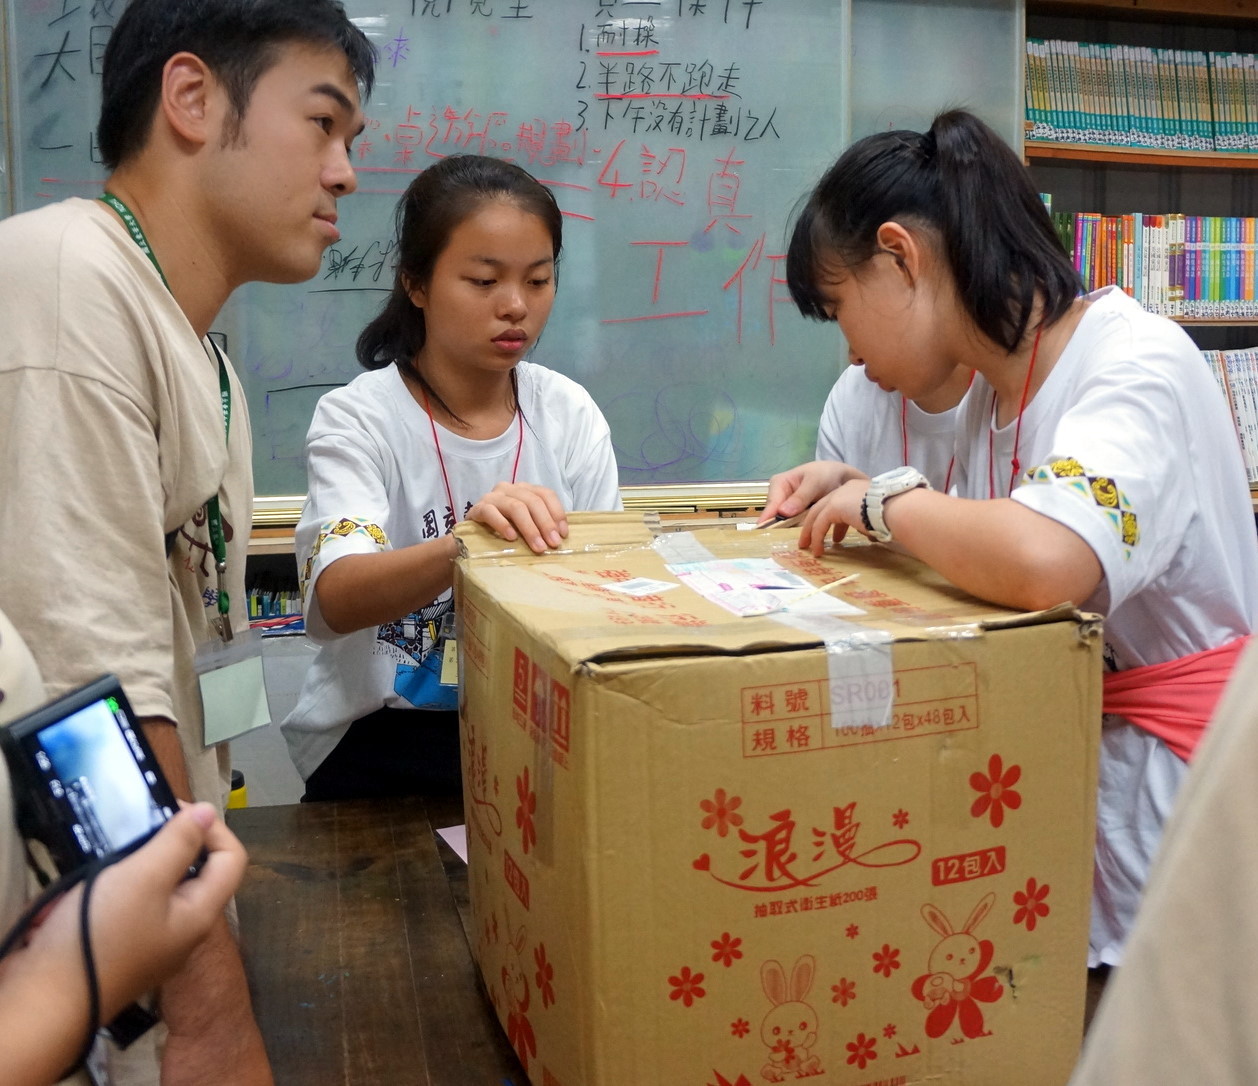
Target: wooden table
[{"x": 353, "y": 924}]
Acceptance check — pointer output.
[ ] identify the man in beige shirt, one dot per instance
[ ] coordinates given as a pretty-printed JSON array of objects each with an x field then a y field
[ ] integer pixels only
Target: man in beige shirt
[{"x": 226, "y": 126}]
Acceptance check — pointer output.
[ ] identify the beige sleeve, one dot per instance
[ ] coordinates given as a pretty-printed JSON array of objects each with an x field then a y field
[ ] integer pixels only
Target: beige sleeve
[
  {"x": 20, "y": 692},
  {"x": 83, "y": 546}
]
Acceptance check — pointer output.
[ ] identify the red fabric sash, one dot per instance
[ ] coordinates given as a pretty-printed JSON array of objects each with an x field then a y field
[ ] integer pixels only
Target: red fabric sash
[{"x": 1173, "y": 701}]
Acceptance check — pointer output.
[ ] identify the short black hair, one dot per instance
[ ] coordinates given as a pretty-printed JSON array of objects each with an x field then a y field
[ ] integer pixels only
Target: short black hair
[
  {"x": 238, "y": 39},
  {"x": 965, "y": 186}
]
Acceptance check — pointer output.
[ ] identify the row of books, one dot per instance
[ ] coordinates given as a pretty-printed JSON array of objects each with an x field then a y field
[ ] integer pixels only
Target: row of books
[
  {"x": 1140, "y": 96},
  {"x": 269, "y": 602},
  {"x": 1236, "y": 373},
  {"x": 1176, "y": 265}
]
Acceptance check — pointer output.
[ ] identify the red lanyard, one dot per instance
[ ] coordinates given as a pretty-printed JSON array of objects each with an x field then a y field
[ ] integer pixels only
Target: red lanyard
[
  {"x": 1015, "y": 465},
  {"x": 519, "y": 448}
]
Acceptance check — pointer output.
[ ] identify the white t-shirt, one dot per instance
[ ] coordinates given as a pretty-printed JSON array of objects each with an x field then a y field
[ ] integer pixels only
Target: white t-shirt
[
  {"x": 1130, "y": 444},
  {"x": 375, "y": 483},
  {"x": 866, "y": 427}
]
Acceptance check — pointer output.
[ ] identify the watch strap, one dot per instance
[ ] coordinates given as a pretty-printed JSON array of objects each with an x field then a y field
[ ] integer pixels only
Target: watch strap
[
  {"x": 865, "y": 515},
  {"x": 882, "y": 488}
]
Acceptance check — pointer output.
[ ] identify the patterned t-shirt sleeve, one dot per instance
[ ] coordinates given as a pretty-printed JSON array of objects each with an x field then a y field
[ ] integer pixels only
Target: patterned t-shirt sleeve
[
  {"x": 347, "y": 503},
  {"x": 1116, "y": 475}
]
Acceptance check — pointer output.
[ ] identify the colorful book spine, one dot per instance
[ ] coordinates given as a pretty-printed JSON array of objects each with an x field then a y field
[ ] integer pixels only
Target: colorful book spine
[
  {"x": 1168, "y": 101},
  {"x": 1196, "y": 94},
  {"x": 1192, "y": 267},
  {"x": 1249, "y": 80},
  {"x": 1174, "y": 266},
  {"x": 1249, "y": 252}
]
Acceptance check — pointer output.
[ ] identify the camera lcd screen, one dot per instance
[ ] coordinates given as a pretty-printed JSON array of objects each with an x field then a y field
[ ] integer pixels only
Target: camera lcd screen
[
  {"x": 94, "y": 761},
  {"x": 86, "y": 783}
]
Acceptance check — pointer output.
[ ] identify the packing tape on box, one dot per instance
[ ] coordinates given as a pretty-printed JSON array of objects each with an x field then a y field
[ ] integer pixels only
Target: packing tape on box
[
  {"x": 858, "y": 660},
  {"x": 678, "y": 548}
]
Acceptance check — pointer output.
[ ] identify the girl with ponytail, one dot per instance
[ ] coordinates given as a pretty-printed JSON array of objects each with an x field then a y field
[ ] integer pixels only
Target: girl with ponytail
[{"x": 1096, "y": 461}]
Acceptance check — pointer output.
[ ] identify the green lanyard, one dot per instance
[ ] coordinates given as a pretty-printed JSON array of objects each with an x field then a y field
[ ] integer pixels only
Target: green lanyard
[{"x": 214, "y": 516}]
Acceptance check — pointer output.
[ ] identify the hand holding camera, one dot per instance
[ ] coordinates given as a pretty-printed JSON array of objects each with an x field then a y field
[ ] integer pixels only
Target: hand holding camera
[
  {"x": 90, "y": 798},
  {"x": 146, "y": 915}
]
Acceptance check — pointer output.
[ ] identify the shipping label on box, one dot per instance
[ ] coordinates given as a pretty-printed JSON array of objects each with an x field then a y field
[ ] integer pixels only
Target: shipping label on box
[{"x": 706, "y": 849}]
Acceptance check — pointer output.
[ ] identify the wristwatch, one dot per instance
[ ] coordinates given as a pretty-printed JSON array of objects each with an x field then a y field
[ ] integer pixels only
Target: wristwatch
[{"x": 884, "y": 486}]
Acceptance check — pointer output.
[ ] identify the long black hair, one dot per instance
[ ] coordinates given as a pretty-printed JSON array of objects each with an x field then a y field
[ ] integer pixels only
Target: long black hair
[
  {"x": 961, "y": 182},
  {"x": 434, "y": 204}
]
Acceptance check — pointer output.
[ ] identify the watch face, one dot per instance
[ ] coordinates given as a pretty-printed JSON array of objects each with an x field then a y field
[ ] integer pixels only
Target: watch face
[{"x": 896, "y": 475}]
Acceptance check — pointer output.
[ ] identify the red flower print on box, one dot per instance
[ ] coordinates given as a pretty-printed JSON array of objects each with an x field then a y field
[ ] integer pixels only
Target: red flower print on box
[
  {"x": 524, "y": 812},
  {"x": 886, "y": 960},
  {"x": 789, "y": 1030},
  {"x": 889, "y": 1030},
  {"x": 954, "y": 987},
  {"x": 844, "y": 991},
  {"x": 1031, "y": 904},
  {"x": 740, "y": 1028},
  {"x": 544, "y": 976},
  {"x": 721, "y": 812},
  {"x": 900, "y": 819},
  {"x": 852, "y": 931},
  {"x": 862, "y": 1050},
  {"x": 996, "y": 790},
  {"x": 725, "y": 949},
  {"x": 687, "y": 986}
]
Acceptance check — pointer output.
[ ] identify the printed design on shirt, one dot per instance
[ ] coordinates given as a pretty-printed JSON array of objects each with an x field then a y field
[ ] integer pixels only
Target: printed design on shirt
[
  {"x": 341, "y": 527},
  {"x": 190, "y": 548},
  {"x": 1100, "y": 489},
  {"x": 418, "y": 678}
]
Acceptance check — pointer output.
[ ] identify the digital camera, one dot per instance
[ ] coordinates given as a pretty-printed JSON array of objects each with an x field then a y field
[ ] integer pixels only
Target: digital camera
[{"x": 85, "y": 781}]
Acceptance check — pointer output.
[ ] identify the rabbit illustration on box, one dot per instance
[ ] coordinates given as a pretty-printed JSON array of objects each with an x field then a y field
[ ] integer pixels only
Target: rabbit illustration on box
[
  {"x": 515, "y": 986},
  {"x": 790, "y": 1028},
  {"x": 954, "y": 987}
]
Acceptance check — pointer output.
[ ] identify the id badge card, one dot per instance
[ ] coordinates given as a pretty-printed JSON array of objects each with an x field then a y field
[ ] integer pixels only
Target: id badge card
[
  {"x": 233, "y": 687},
  {"x": 449, "y": 652}
]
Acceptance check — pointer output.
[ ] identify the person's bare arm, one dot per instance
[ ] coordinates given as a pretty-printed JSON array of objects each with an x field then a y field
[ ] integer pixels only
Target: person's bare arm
[
  {"x": 205, "y": 1004},
  {"x": 359, "y": 591},
  {"x": 997, "y": 550},
  {"x": 145, "y": 918}
]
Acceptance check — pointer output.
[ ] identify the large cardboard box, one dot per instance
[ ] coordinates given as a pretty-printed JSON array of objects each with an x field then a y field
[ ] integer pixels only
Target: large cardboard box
[{"x": 710, "y": 847}]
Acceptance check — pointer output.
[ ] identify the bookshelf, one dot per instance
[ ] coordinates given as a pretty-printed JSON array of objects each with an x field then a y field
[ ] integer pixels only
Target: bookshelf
[
  {"x": 1114, "y": 180},
  {"x": 1140, "y": 156}
]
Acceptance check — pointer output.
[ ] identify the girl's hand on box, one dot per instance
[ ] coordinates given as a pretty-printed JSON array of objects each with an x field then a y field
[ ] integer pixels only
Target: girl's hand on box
[
  {"x": 833, "y": 515},
  {"x": 791, "y": 493},
  {"x": 523, "y": 511}
]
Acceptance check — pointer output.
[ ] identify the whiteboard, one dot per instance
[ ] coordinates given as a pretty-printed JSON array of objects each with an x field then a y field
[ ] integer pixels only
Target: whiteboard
[{"x": 677, "y": 136}]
